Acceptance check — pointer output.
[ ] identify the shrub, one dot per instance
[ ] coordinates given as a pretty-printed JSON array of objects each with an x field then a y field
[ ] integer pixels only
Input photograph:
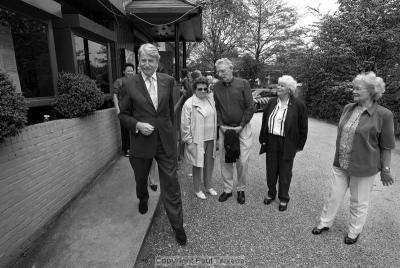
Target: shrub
[
  {"x": 13, "y": 109},
  {"x": 328, "y": 102},
  {"x": 78, "y": 95}
]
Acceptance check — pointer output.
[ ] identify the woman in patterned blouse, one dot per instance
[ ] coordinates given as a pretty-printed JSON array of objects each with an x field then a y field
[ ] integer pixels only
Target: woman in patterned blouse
[{"x": 363, "y": 149}]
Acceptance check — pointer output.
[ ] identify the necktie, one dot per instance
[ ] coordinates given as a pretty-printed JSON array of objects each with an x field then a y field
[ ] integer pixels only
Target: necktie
[{"x": 152, "y": 92}]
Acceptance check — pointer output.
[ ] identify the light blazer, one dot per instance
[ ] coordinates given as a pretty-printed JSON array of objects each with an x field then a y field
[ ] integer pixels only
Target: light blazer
[
  {"x": 136, "y": 106},
  {"x": 192, "y": 129},
  {"x": 296, "y": 126}
]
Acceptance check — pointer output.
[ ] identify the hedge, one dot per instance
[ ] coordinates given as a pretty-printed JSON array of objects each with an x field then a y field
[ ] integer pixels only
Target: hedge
[
  {"x": 78, "y": 95},
  {"x": 327, "y": 102}
]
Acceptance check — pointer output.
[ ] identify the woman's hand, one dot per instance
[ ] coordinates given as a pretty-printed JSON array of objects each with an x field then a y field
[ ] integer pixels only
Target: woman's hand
[{"x": 386, "y": 178}]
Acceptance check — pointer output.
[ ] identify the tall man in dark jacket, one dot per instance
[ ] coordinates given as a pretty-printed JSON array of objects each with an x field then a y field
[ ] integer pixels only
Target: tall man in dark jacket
[
  {"x": 235, "y": 108},
  {"x": 148, "y": 111}
]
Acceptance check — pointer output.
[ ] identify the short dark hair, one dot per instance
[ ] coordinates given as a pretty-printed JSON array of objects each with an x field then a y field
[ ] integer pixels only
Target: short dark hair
[
  {"x": 200, "y": 80},
  {"x": 184, "y": 72}
]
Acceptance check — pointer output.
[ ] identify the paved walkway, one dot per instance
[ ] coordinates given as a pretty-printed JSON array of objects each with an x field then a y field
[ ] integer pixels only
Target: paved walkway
[
  {"x": 102, "y": 229},
  {"x": 264, "y": 237}
]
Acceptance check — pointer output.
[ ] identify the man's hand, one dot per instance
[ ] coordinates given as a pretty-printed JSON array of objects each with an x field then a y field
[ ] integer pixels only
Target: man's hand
[
  {"x": 144, "y": 128},
  {"x": 386, "y": 178}
]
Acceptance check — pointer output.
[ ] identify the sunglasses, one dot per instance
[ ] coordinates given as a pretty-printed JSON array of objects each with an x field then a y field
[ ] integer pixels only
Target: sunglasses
[{"x": 202, "y": 89}]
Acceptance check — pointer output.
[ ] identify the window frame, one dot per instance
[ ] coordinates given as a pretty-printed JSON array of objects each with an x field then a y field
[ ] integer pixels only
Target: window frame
[
  {"x": 101, "y": 41},
  {"x": 34, "y": 15}
]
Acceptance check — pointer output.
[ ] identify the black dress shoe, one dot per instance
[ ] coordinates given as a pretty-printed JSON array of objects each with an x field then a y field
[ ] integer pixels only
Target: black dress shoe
[
  {"x": 180, "y": 236},
  {"x": 224, "y": 196},
  {"x": 318, "y": 231},
  {"x": 240, "y": 197},
  {"x": 350, "y": 241},
  {"x": 282, "y": 207},
  {"x": 268, "y": 200},
  {"x": 153, "y": 187},
  {"x": 143, "y": 206}
]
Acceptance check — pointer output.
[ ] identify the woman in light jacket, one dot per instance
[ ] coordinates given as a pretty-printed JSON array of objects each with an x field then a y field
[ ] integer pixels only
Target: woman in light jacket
[{"x": 199, "y": 133}]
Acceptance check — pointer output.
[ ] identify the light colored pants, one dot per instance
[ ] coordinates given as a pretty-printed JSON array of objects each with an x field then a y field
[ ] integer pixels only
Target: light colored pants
[
  {"x": 207, "y": 170},
  {"x": 246, "y": 141},
  {"x": 360, "y": 190}
]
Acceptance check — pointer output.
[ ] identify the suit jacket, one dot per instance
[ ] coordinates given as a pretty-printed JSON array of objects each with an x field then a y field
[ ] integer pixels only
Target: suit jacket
[
  {"x": 296, "y": 126},
  {"x": 137, "y": 106}
]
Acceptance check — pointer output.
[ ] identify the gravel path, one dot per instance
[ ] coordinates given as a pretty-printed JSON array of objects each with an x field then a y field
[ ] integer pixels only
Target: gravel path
[{"x": 265, "y": 237}]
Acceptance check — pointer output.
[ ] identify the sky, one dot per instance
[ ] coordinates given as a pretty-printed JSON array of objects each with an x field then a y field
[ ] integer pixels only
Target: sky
[{"x": 325, "y": 6}]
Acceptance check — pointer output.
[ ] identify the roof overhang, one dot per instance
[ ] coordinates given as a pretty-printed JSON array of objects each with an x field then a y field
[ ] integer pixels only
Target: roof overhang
[
  {"x": 160, "y": 17},
  {"x": 89, "y": 28}
]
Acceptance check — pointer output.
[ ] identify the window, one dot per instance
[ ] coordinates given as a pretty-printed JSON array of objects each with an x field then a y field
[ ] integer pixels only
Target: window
[
  {"x": 24, "y": 53},
  {"x": 92, "y": 59}
]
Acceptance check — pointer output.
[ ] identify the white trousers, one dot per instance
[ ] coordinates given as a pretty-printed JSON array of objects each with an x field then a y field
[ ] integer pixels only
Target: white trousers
[
  {"x": 360, "y": 191},
  {"x": 246, "y": 141}
]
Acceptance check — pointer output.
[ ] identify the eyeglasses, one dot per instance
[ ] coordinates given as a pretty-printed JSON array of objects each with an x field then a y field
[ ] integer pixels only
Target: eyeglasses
[{"x": 202, "y": 89}]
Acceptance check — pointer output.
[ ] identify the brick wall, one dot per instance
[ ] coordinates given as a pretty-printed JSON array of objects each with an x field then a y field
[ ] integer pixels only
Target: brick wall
[{"x": 44, "y": 167}]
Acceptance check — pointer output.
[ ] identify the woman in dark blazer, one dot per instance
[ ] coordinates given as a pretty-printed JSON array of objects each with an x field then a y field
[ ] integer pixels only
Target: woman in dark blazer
[{"x": 283, "y": 133}]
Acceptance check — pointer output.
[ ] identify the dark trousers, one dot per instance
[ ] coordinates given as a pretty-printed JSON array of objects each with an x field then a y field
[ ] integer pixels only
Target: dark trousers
[
  {"x": 125, "y": 138},
  {"x": 278, "y": 169},
  {"x": 169, "y": 184}
]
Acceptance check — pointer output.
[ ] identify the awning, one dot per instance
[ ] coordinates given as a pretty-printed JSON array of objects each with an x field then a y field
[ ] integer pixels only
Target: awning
[{"x": 159, "y": 18}]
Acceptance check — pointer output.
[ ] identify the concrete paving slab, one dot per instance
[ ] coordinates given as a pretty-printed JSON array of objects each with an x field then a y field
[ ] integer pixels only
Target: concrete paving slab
[{"x": 103, "y": 228}]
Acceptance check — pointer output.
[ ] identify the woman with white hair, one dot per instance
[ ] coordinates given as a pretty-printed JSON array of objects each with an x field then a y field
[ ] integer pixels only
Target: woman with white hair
[
  {"x": 364, "y": 142},
  {"x": 283, "y": 133}
]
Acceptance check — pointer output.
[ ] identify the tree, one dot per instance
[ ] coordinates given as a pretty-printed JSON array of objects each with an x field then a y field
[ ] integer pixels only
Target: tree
[
  {"x": 271, "y": 29},
  {"x": 225, "y": 25},
  {"x": 250, "y": 69},
  {"x": 365, "y": 33}
]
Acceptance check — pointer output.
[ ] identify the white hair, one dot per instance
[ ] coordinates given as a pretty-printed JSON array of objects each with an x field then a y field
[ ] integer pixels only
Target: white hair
[
  {"x": 289, "y": 81},
  {"x": 373, "y": 83},
  {"x": 225, "y": 61},
  {"x": 150, "y": 50}
]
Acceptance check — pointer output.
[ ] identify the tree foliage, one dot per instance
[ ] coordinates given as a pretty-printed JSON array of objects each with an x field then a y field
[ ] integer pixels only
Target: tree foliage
[
  {"x": 225, "y": 25},
  {"x": 361, "y": 36},
  {"x": 272, "y": 29}
]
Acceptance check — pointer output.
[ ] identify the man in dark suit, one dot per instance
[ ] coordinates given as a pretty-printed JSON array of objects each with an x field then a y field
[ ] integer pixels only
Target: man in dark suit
[{"x": 148, "y": 111}]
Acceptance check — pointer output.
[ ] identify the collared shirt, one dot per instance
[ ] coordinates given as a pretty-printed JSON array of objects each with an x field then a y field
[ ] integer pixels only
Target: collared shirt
[
  {"x": 153, "y": 94},
  {"x": 276, "y": 121},
  {"x": 374, "y": 132}
]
